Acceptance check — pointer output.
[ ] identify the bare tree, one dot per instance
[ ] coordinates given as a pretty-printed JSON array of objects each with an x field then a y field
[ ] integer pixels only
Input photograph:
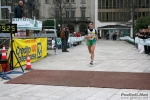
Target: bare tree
[
  {"x": 129, "y": 12},
  {"x": 57, "y": 10},
  {"x": 128, "y": 9}
]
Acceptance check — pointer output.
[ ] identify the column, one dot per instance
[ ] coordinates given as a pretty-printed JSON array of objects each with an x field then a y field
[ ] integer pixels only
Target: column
[
  {"x": 131, "y": 32},
  {"x": 76, "y": 28},
  {"x": 100, "y": 32}
]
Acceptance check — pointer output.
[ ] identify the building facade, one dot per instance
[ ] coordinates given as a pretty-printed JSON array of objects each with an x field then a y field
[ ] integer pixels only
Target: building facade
[
  {"x": 117, "y": 15},
  {"x": 75, "y": 13}
]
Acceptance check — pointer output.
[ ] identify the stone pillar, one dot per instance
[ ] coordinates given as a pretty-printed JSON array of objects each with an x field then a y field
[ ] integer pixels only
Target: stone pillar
[
  {"x": 76, "y": 28},
  {"x": 100, "y": 32},
  {"x": 131, "y": 32}
]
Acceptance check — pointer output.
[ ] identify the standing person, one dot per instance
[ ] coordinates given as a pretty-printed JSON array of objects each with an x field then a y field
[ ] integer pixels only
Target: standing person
[
  {"x": 145, "y": 37},
  {"x": 78, "y": 35},
  {"x": 63, "y": 40},
  {"x": 91, "y": 36},
  {"x": 58, "y": 32},
  {"x": 107, "y": 36},
  {"x": 67, "y": 36},
  {"x": 115, "y": 36},
  {"x": 18, "y": 12},
  {"x": 148, "y": 37},
  {"x": 140, "y": 46}
]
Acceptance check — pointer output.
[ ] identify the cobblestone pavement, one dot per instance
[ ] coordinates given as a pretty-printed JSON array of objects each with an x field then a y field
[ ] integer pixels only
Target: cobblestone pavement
[{"x": 110, "y": 55}]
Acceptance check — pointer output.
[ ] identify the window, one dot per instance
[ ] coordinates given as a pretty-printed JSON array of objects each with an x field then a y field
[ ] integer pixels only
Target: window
[
  {"x": 103, "y": 17},
  {"x": 67, "y": 0},
  {"x": 118, "y": 3},
  {"x": 82, "y": 1},
  {"x": 99, "y": 16},
  {"x": 143, "y": 14},
  {"x": 72, "y": 0},
  {"x": 110, "y": 17},
  {"x": 56, "y": 0},
  {"x": 140, "y": 3},
  {"x": 72, "y": 13},
  {"x": 99, "y": 4},
  {"x": 82, "y": 12},
  {"x": 46, "y": 1},
  {"x": 67, "y": 14},
  {"x": 114, "y": 4},
  {"x": 147, "y": 3},
  {"x": 110, "y": 4},
  {"x": 107, "y": 17},
  {"x": 103, "y": 4},
  {"x": 143, "y": 4}
]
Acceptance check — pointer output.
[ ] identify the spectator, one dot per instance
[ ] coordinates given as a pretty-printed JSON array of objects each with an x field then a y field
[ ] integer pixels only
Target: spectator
[
  {"x": 63, "y": 40},
  {"x": 74, "y": 34},
  {"x": 148, "y": 36},
  {"x": 58, "y": 32},
  {"x": 141, "y": 36},
  {"x": 67, "y": 36},
  {"x": 70, "y": 34},
  {"x": 115, "y": 36},
  {"x": 145, "y": 37},
  {"x": 18, "y": 12},
  {"x": 107, "y": 36},
  {"x": 78, "y": 34}
]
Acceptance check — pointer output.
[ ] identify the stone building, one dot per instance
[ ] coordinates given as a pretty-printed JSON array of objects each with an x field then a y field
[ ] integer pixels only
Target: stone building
[{"x": 76, "y": 13}]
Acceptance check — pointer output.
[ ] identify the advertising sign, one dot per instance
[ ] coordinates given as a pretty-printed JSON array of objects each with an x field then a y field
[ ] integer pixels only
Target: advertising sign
[
  {"x": 27, "y": 23},
  {"x": 36, "y": 48}
]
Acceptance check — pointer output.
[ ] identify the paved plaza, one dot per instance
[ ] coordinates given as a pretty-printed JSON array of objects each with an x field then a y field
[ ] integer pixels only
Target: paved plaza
[{"x": 116, "y": 56}]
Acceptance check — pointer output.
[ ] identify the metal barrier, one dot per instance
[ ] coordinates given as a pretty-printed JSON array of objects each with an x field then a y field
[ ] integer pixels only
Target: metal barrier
[
  {"x": 137, "y": 40},
  {"x": 71, "y": 39}
]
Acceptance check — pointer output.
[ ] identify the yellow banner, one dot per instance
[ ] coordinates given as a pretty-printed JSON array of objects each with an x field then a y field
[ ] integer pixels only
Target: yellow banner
[{"x": 36, "y": 48}]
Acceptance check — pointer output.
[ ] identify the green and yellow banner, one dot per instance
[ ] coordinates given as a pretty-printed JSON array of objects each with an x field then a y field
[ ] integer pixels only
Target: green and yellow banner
[{"x": 36, "y": 48}]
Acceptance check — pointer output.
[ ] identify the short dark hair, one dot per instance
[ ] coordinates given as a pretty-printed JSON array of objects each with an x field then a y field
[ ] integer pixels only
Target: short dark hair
[{"x": 90, "y": 22}]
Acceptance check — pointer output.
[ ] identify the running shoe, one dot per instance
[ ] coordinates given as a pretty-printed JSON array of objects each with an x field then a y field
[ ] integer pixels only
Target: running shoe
[{"x": 91, "y": 62}]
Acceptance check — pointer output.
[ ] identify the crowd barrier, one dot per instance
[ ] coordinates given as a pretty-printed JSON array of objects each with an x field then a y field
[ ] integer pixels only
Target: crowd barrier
[
  {"x": 71, "y": 40},
  {"x": 137, "y": 40}
]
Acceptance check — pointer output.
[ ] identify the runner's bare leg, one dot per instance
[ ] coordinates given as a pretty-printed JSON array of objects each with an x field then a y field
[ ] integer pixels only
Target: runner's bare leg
[{"x": 92, "y": 51}]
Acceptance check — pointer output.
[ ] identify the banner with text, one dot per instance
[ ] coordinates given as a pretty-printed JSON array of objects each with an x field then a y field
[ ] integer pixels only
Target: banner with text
[
  {"x": 71, "y": 39},
  {"x": 27, "y": 23},
  {"x": 36, "y": 48}
]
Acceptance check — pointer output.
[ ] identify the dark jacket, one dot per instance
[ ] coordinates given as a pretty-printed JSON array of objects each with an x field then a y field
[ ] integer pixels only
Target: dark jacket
[
  {"x": 18, "y": 12},
  {"x": 66, "y": 34}
]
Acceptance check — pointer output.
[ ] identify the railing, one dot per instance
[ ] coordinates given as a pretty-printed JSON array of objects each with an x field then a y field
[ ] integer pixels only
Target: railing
[{"x": 137, "y": 40}]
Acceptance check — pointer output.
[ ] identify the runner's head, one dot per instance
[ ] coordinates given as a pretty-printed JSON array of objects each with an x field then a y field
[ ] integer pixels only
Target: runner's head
[{"x": 90, "y": 26}]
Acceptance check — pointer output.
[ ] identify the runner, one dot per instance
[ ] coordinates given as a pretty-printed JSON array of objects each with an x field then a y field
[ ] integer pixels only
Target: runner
[{"x": 91, "y": 36}]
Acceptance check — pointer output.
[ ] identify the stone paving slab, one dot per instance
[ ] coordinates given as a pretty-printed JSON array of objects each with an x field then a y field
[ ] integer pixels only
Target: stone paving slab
[{"x": 109, "y": 56}]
